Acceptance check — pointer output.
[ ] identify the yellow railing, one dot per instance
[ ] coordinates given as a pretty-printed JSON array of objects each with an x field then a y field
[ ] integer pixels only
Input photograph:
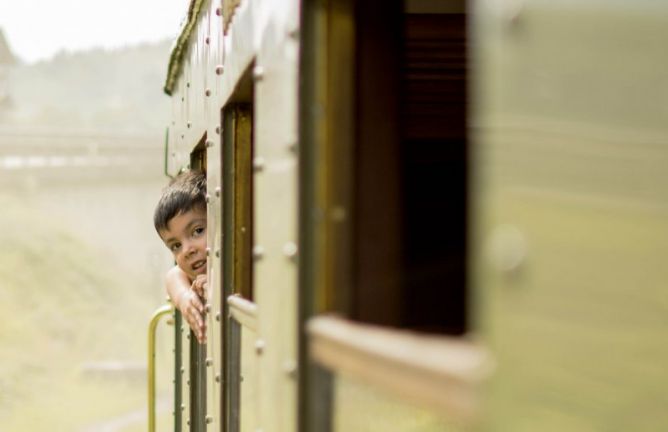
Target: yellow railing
[{"x": 159, "y": 313}]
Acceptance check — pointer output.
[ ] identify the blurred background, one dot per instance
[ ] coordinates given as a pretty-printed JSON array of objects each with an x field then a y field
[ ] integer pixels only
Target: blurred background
[{"x": 82, "y": 126}]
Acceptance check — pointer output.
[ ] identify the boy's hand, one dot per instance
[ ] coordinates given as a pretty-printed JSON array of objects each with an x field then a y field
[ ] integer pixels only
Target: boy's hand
[
  {"x": 199, "y": 285},
  {"x": 192, "y": 309}
]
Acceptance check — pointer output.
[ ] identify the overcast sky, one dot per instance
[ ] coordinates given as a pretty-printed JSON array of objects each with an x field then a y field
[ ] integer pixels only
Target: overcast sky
[{"x": 38, "y": 29}]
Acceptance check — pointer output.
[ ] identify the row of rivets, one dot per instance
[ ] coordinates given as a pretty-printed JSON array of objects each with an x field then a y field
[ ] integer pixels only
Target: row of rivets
[{"x": 290, "y": 250}]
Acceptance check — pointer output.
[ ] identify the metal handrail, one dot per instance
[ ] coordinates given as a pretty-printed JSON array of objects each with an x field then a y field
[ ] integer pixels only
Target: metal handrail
[{"x": 153, "y": 324}]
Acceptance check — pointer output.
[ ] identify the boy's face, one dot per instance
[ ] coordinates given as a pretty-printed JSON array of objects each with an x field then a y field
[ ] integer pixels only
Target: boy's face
[{"x": 185, "y": 236}]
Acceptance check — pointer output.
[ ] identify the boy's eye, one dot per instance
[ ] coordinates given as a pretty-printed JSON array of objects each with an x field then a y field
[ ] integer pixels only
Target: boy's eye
[
  {"x": 199, "y": 230},
  {"x": 174, "y": 247}
]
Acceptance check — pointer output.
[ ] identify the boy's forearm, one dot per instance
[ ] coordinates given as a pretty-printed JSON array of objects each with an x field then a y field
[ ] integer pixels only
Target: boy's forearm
[{"x": 176, "y": 284}]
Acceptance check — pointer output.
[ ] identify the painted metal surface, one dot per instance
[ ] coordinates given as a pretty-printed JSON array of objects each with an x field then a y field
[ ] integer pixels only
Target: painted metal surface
[
  {"x": 275, "y": 208},
  {"x": 571, "y": 195},
  {"x": 214, "y": 65}
]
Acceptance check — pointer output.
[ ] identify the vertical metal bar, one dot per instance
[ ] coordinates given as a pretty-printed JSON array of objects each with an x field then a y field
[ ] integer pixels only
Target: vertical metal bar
[
  {"x": 153, "y": 324},
  {"x": 178, "y": 364},
  {"x": 233, "y": 379},
  {"x": 167, "y": 152},
  {"x": 314, "y": 384},
  {"x": 197, "y": 385},
  {"x": 228, "y": 122}
]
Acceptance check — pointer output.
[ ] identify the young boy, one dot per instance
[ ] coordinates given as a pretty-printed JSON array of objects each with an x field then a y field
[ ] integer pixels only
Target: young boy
[{"x": 180, "y": 219}]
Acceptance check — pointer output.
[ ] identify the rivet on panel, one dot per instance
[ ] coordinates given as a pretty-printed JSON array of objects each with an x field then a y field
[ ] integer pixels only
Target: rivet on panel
[
  {"x": 258, "y": 73},
  {"x": 207, "y": 40},
  {"x": 290, "y": 368},
  {"x": 258, "y": 164},
  {"x": 217, "y": 316},
  {"x": 218, "y": 130},
  {"x": 209, "y": 419},
  {"x": 217, "y": 191},
  {"x": 207, "y": 198},
  {"x": 209, "y": 361},
  {"x": 183, "y": 407},
  {"x": 219, "y": 11},
  {"x": 209, "y": 143},
  {"x": 217, "y": 253},
  {"x": 219, "y": 70},
  {"x": 208, "y": 251},
  {"x": 188, "y": 124},
  {"x": 290, "y": 249},
  {"x": 338, "y": 214},
  {"x": 207, "y": 92},
  {"x": 207, "y": 308},
  {"x": 259, "y": 346},
  {"x": 258, "y": 252}
]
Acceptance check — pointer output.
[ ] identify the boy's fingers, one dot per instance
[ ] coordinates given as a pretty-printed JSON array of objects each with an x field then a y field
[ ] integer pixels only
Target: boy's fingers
[{"x": 197, "y": 304}]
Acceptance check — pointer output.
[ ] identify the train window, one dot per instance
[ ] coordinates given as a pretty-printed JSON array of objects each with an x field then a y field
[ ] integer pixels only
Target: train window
[
  {"x": 395, "y": 236},
  {"x": 238, "y": 198},
  {"x": 383, "y": 196},
  {"x": 411, "y": 173},
  {"x": 433, "y": 156},
  {"x": 198, "y": 155}
]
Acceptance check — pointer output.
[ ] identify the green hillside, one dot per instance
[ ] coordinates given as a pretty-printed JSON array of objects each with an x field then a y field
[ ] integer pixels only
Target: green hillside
[
  {"x": 61, "y": 306},
  {"x": 98, "y": 89}
]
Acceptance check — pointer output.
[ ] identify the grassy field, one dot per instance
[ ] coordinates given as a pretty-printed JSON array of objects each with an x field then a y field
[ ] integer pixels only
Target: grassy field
[{"x": 64, "y": 304}]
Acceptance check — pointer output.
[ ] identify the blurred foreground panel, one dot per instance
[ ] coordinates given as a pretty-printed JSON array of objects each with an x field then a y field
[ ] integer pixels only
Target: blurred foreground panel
[{"x": 571, "y": 132}]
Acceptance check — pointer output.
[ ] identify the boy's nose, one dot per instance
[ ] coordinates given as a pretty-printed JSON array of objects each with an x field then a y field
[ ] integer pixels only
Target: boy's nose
[{"x": 190, "y": 249}]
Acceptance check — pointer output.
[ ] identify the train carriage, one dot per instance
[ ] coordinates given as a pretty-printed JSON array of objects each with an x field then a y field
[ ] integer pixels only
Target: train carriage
[{"x": 399, "y": 192}]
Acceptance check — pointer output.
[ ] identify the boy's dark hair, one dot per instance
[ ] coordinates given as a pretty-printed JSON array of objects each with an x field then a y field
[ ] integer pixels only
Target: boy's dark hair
[{"x": 185, "y": 192}]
